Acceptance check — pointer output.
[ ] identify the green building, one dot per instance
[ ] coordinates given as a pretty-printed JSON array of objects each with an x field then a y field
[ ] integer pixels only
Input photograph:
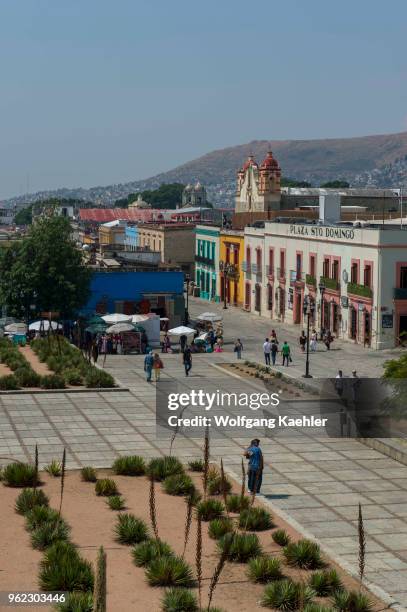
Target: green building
[{"x": 207, "y": 261}]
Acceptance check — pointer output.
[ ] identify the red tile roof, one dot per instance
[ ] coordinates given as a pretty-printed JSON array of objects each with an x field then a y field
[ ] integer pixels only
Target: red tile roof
[{"x": 103, "y": 215}]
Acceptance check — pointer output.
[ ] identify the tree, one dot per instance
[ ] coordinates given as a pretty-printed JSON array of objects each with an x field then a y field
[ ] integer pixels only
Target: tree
[
  {"x": 45, "y": 270},
  {"x": 289, "y": 182},
  {"x": 338, "y": 184},
  {"x": 168, "y": 195},
  {"x": 24, "y": 216}
]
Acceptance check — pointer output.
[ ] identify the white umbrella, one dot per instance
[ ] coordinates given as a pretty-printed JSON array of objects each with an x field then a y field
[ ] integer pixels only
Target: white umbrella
[
  {"x": 16, "y": 328},
  {"x": 182, "y": 330},
  {"x": 44, "y": 325},
  {"x": 210, "y": 317},
  {"x": 164, "y": 319},
  {"x": 137, "y": 318},
  {"x": 117, "y": 318},
  {"x": 119, "y": 328}
]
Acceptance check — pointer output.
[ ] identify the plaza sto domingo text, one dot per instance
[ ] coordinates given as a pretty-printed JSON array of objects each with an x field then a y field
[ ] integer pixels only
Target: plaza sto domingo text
[{"x": 246, "y": 422}]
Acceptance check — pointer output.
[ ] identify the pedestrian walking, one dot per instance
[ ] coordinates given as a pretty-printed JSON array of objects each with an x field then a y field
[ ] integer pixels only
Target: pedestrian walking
[
  {"x": 95, "y": 351},
  {"x": 187, "y": 360},
  {"x": 256, "y": 466},
  {"x": 314, "y": 340},
  {"x": 328, "y": 339},
  {"x": 355, "y": 384},
  {"x": 286, "y": 353},
  {"x": 267, "y": 351},
  {"x": 273, "y": 353},
  {"x": 238, "y": 348},
  {"x": 339, "y": 383},
  {"x": 166, "y": 344},
  {"x": 183, "y": 342},
  {"x": 303, "y": 341},
  {"x": 157, "y": 366},
  {"x": 148, "y": 365},
  {"x": 273, "y": 336}
]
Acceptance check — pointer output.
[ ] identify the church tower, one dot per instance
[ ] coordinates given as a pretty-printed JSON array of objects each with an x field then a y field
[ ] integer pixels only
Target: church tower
[{"x": 258, "y": 187}]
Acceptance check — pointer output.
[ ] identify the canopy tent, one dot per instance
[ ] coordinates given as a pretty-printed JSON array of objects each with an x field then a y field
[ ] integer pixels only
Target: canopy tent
[
  {"x": 44, "y": 325},
  {"x": 182, "y": 330},
  {"x": 117, "y": 317},
  {"x": 16, "y": 328},
  {"x": 119, "y": 328},
  {"x": 95, "y": 320},
  {"x": 210, "y": 317},
  {"x": 8, "y": 321},
  {"x": 97, "y": 328},
  {"x": 139, "y": 318}
]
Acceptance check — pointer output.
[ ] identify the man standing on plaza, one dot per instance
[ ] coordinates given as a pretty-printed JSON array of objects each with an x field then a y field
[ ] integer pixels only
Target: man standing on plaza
[
  {"x": 286, "y": 353},
  {"x": 187, "y": 360},
  {"x": 267, "y": 351},
  {"x": 255, "y": 472},
  {"x": 148, "y": 365}
]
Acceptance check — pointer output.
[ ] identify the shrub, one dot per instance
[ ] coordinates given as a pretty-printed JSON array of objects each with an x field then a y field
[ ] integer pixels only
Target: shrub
[
  {"x": 76, "y": 602},
  {"x": 131, "y": 465},
  {"x": 196, "y": 465},
  {"x": 98, "y": 379},
  {"x": 243, "y": 546},
  {"x": 106, "y": 487},
  {"x": 264, "y": 569},
  {"x": 40, "y": 515},
  {"x": 162, "y": 467},
  {"x": 8, "y": 383},
  {"x": 148, "y": 550},
  {"x": 26, "y": 377},
  {"x": 88, "y": 474},
  {"x": 130, "y": 529},
  {"x": 281, "y": 537},
  {"x": 52, "y": 381},
  {"x": 215, "y": 485},
  {"x": 210, "y": 509},
  {"x": 169, "y": 571},
  {"x": 313, "y": 607},
  {"x": 73, "y": 377},
  {"x": 29, "y": 499},
  {"x": 62, "y": 569},
  {"x": 237, "y": 503},
  {"x": 351, "y": 601},
  {"x": 286, "y": 595},
  {"x": 325, "y": 582},
  {"x": 20, "y": 475},
  {"x": 304, "y": 554},
  {"x": 178, "y": 484},
  {"x": 218, "y": 527},
  {"x": 54, "y": 468},
  {"x": 179, "y": 600},
  {"x": 48, "y": 533},
  {"x": 116, "y": 502},
  {"x": 255, "y": 519}
]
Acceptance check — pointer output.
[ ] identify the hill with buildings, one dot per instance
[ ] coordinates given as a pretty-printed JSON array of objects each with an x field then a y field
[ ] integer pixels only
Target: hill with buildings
[{"x": 369, "y": 161}]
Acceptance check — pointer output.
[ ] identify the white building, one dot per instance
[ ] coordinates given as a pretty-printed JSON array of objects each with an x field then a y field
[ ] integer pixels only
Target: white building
[{"x": 355, "y": 277}]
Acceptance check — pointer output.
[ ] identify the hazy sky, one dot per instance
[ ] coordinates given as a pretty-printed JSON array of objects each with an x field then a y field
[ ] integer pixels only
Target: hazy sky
[{"x": 102, "y": 91}]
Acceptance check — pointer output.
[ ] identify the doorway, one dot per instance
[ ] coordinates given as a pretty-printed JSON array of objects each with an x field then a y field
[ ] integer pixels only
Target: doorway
[
  {"x": 297, "y": 311},
  {"x": 335, "y": 318},
  {"x": 257, "y": 301},
  {"x": 353, "y": 323},
  {"x": 402, "y": 324}
]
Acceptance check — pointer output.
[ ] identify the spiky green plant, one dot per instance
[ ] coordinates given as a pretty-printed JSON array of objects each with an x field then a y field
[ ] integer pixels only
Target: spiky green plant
[
  {"x": 196, "y": 465},
  {"x": 161, "y": 467},
  {"x": 325, "y": 582},
  {"x": 54, "y": 468},
  {"x": 286, "y": 595},
  {"x": 129, "y": 465},
  {"x": 63, "y": 467},
  {"x": 178, "y": 484},
  {"x": 237, "y": 503},
  {"x": 216, "y": 486},
  {"x": 29, "y": 498},
  {"x": 153, "y": 507},
  {"x": 116, "y": 502},
  {"x": 130, "y": 529},
  {"x": 244, "y": 546},
  {"x": 304, "y": 554},
  {"x": 179, "y": 600},
  {"x": 264, "y": 569},
  {"x": 48, "y": 533},
  {"x": 169, "y": 571},
  {"x": 20, "y": 475},
  {"x": 314, "y": 607},
  {"x": 218, "y": 527},
  {"x": 88, "y": 474},
  {"x": 76, "y": 602},
  {"x": 351, "y": 601},
  {"x": 210, "y": 509},
  {"x": 362, "y": 544},
  {"x": 255, "y": 519},
  {"x": 62, "y": 569},
  {"x": 106, "y": 487},
  {"x": 148, "y": 550},
  {"x": 99, "y": 593},
  {"x": 281, "y": 537},
  {"x": 37, "y": 516}
]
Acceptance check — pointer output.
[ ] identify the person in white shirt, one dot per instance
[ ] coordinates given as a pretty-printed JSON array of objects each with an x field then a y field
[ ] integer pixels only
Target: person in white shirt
[{"x": 267, "y": 351}]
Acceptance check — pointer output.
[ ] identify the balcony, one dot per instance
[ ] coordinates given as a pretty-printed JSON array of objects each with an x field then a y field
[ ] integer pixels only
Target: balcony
[
  {"x": 204, "y": 260},
  {"x": 270, "y": 272},
  {"x": 311, "y": 280},
  {"x": 400, "y": 293},
  {"x": 281, "y": 273},
  {"x": 296, "y": 276},
  {"x": 330, "y": 283},
  {"x": 360, "y": 290},
  {"x": 256, "y": 270}
]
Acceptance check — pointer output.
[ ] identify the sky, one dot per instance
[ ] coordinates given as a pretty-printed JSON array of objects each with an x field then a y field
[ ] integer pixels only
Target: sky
[{"x": 95, "y": 92}]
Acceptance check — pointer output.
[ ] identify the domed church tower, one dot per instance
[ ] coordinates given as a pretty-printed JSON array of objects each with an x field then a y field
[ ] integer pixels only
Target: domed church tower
[{"x": 258, "y": 187}]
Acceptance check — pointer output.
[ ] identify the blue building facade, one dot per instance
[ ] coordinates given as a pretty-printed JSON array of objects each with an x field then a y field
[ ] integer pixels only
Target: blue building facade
[
  {"x": 137, "y": 292},
  {"x": 131, "y": 237}
]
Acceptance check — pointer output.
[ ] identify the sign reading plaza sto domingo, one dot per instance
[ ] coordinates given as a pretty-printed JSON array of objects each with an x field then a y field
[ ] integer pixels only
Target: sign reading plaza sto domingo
[{"x": 355, "y": 277}]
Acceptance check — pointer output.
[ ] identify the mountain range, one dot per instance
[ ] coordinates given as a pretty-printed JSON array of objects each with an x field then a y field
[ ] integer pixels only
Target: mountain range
[{"x": 367, "y": 161}]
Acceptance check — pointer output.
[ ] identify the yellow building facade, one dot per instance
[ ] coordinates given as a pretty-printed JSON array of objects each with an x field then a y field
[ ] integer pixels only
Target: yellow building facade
[{"x": 231, "y": 257}]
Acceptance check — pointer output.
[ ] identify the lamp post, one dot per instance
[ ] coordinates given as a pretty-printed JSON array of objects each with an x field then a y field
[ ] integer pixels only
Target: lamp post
[
  {"x": 186, "y": 316},
  {"x": 226, "y": 268},
  {"x": 322, "y": 288},
  {"x": 308, "y": 309}
]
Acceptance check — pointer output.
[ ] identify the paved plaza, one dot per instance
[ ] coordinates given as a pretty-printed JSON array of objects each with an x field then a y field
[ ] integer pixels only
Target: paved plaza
[{"x": 316, "y": 483}]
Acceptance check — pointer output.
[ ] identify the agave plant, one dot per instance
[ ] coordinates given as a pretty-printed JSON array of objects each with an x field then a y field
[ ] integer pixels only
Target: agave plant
[
  {"x": 106, "y": 487},
  {"x": 169, "y": 571},
  {"x": 130, "y": 529},
  {"x": 264, "y": 569},
  {"x": 210, "y": 509},
  {"x": 196, "y": 465},
  {"x": 88, "y": 474},
  {"x": 304, "y": 554},
  {"x": 48, "y": 533},
  {"x": 39, "y": 515},
  {"x": 129, "y": 465},
  {"x": 326, "y": 582},
  {"x": 177, "y": 600},
  {"x": 29, "y": 499},
  {"x": 281, "y": 537},
  {"x": 243, "y": 547},
  {"x": 148, "y": 550},
  {"x": 20, "y": 475},
  {"x": 346, "y": 601},
  {"x": 116, "y": 502},
  {"x": 76, "y": 602},
  {"x": 255, "y": 519},
  {"x": 286, "y": 595},
  {"x": 62, "y": 569},
  {"x": 54, "y": 468},
  {"x": 237, "y": 503},
  {"x": 218, "y": 527},
  {"x": 161, "y": 467},
  {"x": 178, "y": 484}
]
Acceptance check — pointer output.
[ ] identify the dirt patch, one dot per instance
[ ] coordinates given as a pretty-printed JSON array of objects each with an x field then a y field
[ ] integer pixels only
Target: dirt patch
[
  {"x": 38, "y": 366},
  {"x": 92, "y": 525},
  {"x": 5, "y": 370}
]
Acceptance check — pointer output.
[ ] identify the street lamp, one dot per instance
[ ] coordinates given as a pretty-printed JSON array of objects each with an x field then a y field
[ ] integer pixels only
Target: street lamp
[
  {"x": 186, "y": 315},
  {"x": 322, "y": 288},
  {"x": 226, "y": 268},
  {"x": 308, "y": 309}
]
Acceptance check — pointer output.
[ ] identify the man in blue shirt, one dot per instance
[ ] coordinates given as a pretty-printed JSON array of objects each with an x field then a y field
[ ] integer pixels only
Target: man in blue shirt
[
  {"x": 255, "y": 473},
  {"x": 148, "y": 365}
]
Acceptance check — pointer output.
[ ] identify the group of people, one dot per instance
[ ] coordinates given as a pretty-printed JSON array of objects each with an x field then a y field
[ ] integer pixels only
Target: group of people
[
  {"x": 153, "y": 363},
  {"x": 326, "y": 337},
  {"x": 271, "y": 350}
]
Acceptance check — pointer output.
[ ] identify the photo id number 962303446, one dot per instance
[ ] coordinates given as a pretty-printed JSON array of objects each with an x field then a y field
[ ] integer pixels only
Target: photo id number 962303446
[{"x": 31, "y": 598}]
